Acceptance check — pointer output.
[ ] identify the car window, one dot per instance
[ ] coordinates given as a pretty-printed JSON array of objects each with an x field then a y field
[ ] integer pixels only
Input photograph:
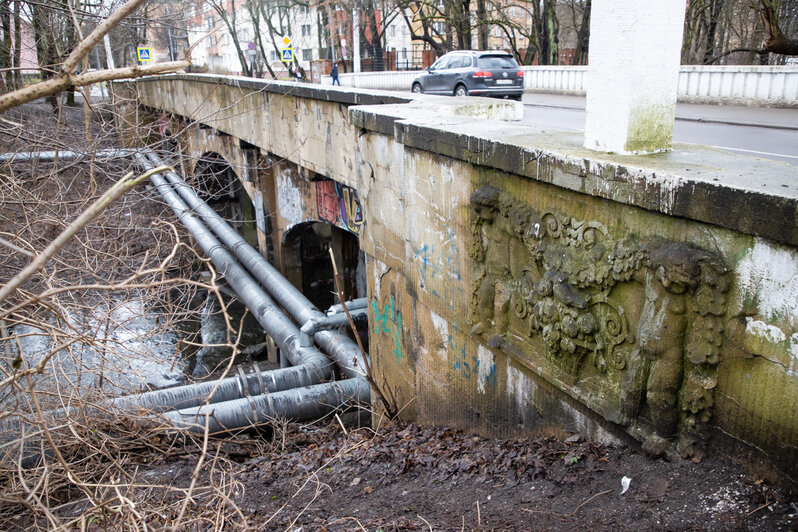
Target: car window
[
  {"x": 497, "y": 61},
  {"x": 441, "y": 63},
  {"x": 457, "y": 61}
]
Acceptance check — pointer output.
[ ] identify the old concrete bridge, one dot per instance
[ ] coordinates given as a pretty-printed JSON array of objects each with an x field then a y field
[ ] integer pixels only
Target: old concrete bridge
[{"x": 515, "y": 278}]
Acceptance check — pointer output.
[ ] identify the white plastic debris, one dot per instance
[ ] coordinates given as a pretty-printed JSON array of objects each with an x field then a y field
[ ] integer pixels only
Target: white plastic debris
[{"x": 625, "y": 481}]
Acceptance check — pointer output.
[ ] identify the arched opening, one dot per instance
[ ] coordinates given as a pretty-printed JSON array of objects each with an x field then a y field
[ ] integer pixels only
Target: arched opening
[
  {"x": 306, "y": 262},
  {"x": 218, "y": 184}
]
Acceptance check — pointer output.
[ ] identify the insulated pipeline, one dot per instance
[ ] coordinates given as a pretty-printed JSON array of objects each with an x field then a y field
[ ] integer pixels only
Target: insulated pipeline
[
  {"x": 343, "y": 350},
  {"x": 226, "y": 389},
  {"x": 274, "y": 322},
  {"x": 299, "y": 404}
]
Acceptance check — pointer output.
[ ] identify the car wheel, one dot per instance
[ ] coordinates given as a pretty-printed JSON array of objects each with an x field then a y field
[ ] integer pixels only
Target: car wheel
[
  {"x": 460, "y": 90},
  {"x": 417, "y": 88},
  {"x": 516, "y": 98}
]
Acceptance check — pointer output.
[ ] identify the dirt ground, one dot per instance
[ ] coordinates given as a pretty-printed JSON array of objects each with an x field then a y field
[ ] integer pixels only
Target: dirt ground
[{"x": 406, "y": 477}]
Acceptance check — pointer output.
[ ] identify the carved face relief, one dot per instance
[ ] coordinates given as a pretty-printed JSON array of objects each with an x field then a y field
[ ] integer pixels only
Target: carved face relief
[{"x": 572, "y": 297}]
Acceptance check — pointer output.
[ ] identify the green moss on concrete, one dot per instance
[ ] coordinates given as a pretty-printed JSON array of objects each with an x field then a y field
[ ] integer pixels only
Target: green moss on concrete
[{"x": 650, "y": 129}]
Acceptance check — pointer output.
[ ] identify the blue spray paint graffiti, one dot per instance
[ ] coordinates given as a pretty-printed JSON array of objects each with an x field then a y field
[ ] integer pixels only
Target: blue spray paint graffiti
[
  {"x": 469, "y": 366},
  {"x": 389, "y": 322},
  {"x": 437, "y": 268}
]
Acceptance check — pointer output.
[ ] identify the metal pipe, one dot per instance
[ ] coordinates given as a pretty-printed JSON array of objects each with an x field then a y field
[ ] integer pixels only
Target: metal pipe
[
  {"x": 322, "y": 323},
  {"x": 299, "y": 404},
  {"x": 46, "y": 156},
  {"x": 191, "y": 395},
  {"x": 343, "y": 350},
  {"x": 354, "y": 304},
  {"x": 274, "y": 322}
]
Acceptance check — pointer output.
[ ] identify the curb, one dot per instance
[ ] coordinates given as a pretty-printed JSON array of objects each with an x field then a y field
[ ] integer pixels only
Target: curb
[{"x": 686, "y": 118}]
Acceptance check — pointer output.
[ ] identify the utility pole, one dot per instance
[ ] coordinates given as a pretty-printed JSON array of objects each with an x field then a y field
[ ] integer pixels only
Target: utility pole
[
  {"x": 171, "y": 45},
  {"x": 356, "y": 37}
]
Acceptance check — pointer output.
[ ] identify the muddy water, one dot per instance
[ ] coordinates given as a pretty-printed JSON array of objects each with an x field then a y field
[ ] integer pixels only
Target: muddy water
[{"x": 129, "y": 346}]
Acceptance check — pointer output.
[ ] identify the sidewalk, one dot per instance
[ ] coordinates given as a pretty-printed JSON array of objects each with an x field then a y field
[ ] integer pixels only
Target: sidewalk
[{"x": 767, "y": 117}]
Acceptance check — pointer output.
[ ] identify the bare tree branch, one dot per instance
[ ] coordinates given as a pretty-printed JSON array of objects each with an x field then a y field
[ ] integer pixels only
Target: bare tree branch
[{"x": 111, "y": 195}]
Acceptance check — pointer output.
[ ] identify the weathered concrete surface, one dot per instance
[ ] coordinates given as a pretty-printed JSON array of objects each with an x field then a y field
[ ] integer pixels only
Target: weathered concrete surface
[{"x": 517, "y": 278}]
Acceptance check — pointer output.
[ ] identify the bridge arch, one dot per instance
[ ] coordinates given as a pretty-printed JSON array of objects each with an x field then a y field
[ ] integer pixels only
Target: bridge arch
[
  {"x": 306, "y": 259},
  {"x": 217, "y": 182}
]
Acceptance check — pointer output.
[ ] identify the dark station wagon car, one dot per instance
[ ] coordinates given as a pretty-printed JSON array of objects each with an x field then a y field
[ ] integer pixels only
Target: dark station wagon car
[{"x": 486, "y": 73}]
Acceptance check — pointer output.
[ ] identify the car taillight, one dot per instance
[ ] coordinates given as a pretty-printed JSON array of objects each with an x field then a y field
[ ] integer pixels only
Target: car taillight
[
  {"x": 482, "y": 74},
  {"x": 520, "y": 74}
]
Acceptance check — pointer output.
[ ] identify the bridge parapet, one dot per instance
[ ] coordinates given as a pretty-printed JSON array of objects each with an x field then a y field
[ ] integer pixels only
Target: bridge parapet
[{"x": 515, "y": 277}]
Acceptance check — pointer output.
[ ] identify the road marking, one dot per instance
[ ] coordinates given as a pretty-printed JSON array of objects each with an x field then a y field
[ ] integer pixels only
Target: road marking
[{"x": 757, "y": 152}]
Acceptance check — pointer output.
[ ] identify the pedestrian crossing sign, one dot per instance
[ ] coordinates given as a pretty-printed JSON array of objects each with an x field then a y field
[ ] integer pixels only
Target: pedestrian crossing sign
[
  {"x": 144, "y": 54},
  {"x": 287, "y": 55}
]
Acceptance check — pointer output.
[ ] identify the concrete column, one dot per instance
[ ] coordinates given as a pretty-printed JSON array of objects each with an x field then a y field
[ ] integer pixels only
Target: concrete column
[
  {"x": 356, "y": 38},
  {"x": 633, "y": 73}
]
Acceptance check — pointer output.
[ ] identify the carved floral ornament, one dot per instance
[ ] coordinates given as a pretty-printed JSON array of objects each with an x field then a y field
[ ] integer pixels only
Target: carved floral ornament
[{"x": 640, "y": 317}]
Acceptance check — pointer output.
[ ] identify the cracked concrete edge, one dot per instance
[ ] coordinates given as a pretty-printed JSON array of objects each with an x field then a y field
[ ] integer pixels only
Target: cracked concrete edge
[
  {"x": 666, "y": 187},
  {"x": 708, "y": 195}
]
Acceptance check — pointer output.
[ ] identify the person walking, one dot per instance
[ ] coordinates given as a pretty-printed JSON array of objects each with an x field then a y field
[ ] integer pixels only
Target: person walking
[{"x": 334, "y": 74}]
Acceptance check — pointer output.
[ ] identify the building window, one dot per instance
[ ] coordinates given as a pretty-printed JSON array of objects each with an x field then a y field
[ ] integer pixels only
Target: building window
[
  {"x": 307, "y": 54},
  {"x": 275, "y": 56},
  {"x": 303, "y": 10},
  {"x": 305, "y": 30},
  {"x": 392, "y": 32}
]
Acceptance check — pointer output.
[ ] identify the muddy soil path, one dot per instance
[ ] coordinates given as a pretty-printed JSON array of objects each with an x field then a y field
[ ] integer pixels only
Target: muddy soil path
[{"x": 406, "y": 477}]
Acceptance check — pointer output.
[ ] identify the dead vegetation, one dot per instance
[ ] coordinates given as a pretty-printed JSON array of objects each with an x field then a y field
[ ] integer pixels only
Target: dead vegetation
[{"x": 72, "y": 333}]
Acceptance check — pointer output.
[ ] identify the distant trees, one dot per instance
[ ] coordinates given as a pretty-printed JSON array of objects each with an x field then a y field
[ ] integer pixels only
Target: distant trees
[
  {"x": 545, "y": 32},
  {"x": 739, "y": 31}
]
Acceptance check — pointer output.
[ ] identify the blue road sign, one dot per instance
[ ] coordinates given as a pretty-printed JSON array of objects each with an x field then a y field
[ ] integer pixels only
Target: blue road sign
[
  {"x": 287, "y": 55},
  {"x": 144, "y": 54}
]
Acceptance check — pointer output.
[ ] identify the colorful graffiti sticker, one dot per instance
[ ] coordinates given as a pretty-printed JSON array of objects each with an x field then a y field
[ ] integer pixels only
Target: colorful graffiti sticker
[
  {"x": 327, "y": 204},
  {"x": 351, "y": 213}
]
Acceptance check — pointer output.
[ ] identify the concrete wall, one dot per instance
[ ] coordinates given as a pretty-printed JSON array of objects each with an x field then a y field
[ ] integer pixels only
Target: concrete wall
[
  {"x": 517, "y": 279},
  {"x": 745, "y": 85}
]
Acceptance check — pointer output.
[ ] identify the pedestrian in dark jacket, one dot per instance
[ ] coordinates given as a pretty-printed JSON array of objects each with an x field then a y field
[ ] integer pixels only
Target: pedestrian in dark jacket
[{"x": 334, "y": 74}]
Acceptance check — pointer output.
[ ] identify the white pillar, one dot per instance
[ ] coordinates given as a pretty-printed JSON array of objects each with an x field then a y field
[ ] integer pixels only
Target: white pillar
[
  {"x": 356, "y": 38},
  {"x": 109, "y": 56},
  {"x": 633, "y": 74}
]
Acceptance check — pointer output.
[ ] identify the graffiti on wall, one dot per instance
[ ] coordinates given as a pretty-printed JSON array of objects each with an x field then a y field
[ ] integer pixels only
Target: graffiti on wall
[
  {"x": 437, "y": 266},
  {"x": 388, "y": 321},
  {"x": 339, "y": 205}
]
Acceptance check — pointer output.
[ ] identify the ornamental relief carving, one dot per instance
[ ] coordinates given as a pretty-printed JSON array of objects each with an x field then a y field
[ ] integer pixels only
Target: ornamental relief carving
[{"x": 634, "y": 326}]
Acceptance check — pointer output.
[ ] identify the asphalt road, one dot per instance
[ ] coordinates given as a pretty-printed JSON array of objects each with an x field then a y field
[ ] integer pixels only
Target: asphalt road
[{"x": 760, "y": 132}]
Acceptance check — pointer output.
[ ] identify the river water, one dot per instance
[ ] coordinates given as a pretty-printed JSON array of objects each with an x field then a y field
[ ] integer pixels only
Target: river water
[{"x": 129, "y": 346}]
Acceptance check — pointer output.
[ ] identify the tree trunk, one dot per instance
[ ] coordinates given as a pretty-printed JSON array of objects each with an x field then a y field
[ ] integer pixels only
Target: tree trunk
[
  {"x": 550, "y": 32},
  {"x": 17, "y": 59},
  {"x": 775, "y": 41},
  {"x": 482, "y": 25},
  {"x": 5, "y": 48},
  {"x": 376, "y": 37},
  {"x": 583, "y": 37}
]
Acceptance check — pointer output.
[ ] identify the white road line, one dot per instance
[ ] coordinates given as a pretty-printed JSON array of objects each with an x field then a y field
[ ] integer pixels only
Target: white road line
[{"x": 757, "y": 152}]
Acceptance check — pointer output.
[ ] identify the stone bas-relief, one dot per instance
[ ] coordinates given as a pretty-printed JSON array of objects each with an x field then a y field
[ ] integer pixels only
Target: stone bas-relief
[{"x": 632, "y": 328}]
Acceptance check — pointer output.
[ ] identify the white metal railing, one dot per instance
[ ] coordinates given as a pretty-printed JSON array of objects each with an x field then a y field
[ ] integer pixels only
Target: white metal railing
[{"x": 764, "y": 85}]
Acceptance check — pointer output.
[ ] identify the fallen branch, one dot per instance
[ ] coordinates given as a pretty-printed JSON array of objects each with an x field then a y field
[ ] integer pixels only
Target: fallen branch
[{"x": 68, "y": 81}]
